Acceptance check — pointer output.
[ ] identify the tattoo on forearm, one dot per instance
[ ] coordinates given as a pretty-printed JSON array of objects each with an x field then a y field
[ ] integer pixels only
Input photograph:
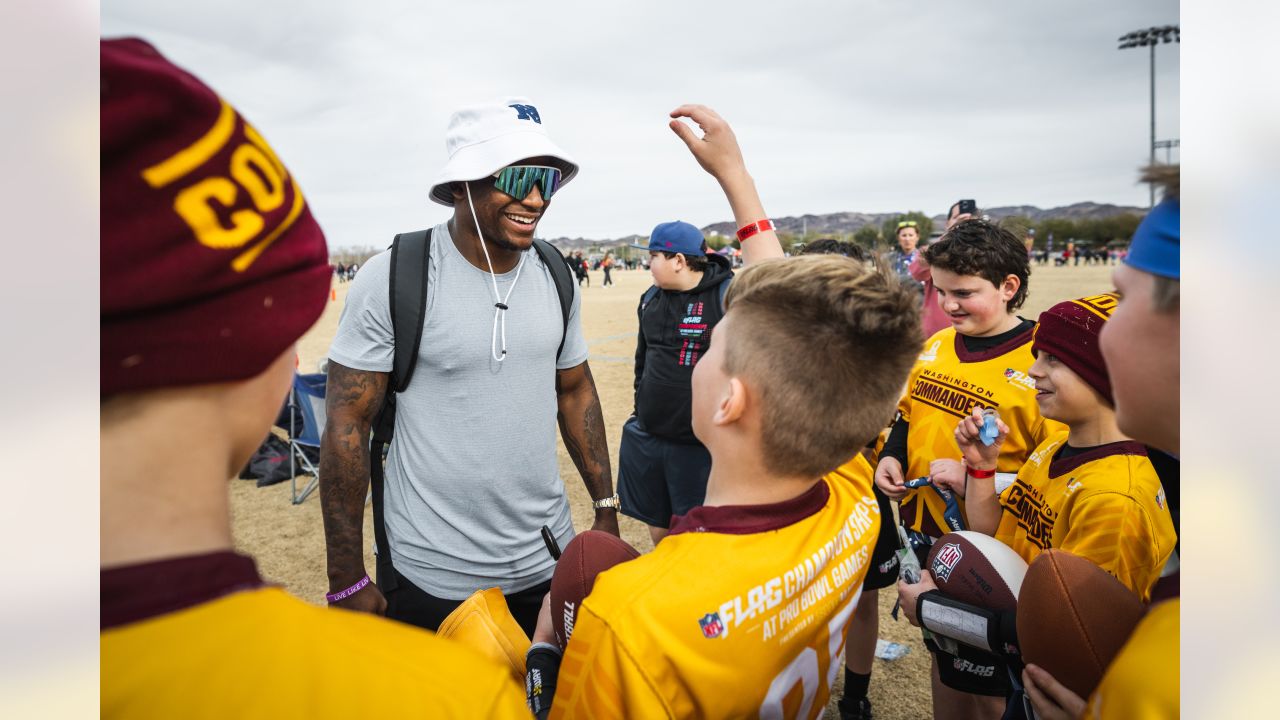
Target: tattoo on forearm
[
  {"x": 352, "y": 400},
  {"x": 582, "y": 427}
]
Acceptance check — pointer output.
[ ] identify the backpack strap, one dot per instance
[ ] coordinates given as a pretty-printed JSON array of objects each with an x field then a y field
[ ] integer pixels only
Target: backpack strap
[
  {"x": 724, "y": 289},
  {"x": 563, "y": 280},
  {"x": 410, "y": 255},
  {"x": 407, "y": 289},
  {"x": 648, "y": 297}
]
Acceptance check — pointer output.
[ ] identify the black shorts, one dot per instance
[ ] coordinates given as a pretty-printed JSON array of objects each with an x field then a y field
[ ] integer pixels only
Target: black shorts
[
  {"x": 971, "y": 670},
  {"x": 658, "y": 478},
  {"x": 883, "y": 571},
  {"x": 410, "y": 604}
]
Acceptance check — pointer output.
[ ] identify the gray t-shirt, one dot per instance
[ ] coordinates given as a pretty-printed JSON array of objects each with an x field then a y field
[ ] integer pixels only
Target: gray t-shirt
[{"x": 472, "y": 474}]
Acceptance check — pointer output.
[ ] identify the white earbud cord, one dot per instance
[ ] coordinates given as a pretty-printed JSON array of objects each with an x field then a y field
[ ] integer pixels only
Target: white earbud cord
[{"x": 500, "y": 303}]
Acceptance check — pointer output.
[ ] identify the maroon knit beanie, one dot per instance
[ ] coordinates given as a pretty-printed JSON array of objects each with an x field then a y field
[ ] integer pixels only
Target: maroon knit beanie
[
  {"x": 1069, "y": 331},
  {"x": 212, "y": 265}
]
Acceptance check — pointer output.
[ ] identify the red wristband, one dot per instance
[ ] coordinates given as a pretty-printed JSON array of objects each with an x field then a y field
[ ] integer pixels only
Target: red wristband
[
  {"x": 747, "y": 231},
  {"x": 980, "y": 474}
]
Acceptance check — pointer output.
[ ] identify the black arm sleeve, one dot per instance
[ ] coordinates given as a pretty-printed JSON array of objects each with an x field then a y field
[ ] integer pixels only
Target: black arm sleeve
[
  {"x": 543, "y": 664},
  {"x": 896, "y": 444}
]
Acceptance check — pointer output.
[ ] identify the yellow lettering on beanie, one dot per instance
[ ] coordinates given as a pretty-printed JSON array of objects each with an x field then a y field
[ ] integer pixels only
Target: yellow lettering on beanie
[
  {"x": 249, "y": 166},
  {"x": 196, "y": 154},
  {"x": 253, "y": 168},
  {"x": 195, "y": 205}
]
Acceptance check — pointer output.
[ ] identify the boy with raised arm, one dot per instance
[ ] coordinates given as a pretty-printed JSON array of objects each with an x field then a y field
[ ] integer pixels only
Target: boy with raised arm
[{"x": 741, "y": 610}]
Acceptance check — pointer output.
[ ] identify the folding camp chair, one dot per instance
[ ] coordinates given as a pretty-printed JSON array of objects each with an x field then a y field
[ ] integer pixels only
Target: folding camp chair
[{"x": 306, "y": 396}]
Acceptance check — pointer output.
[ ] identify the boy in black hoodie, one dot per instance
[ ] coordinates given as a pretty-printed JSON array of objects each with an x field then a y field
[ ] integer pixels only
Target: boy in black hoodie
[{"x": 662, "y": 468}]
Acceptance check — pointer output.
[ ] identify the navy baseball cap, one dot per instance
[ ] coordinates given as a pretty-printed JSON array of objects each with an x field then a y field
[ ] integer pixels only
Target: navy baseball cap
[{"x": 676, "y": 237}]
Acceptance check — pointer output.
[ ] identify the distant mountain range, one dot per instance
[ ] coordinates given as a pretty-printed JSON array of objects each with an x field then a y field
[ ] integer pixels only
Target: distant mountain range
[{"x": 850, "y": 222}]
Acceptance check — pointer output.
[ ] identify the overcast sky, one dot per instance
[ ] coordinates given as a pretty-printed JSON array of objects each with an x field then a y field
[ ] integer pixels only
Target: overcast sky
[{"x": 865, "y": 106}]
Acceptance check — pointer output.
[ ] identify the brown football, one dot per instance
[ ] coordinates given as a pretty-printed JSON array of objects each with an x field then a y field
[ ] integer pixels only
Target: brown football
[
  {"x": 1073, "y": 618},
  {"x": 977, "y": 569},
  {"x": 586, "y": 556}
]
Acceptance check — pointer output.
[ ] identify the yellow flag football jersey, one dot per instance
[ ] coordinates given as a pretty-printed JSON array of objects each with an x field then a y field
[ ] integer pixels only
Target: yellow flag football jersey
[
  {"x": 739, "y": 612},
  {"x": 1142, "y": 682},
  {"x": 946, "y": 384},
  {"x": 1105, "y": 504},
  {"x": 858, "y": 473},
  {"x": 261, "y": 653}
]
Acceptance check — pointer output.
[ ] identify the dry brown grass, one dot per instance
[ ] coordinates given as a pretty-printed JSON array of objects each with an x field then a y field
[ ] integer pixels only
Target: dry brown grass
[{"x": 288, "y": 540}]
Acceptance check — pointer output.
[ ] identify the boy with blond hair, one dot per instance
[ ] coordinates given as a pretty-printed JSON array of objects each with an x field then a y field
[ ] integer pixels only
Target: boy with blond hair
[
  {"x": 741, "y": 610},
  {"x": 864, "y": 627}
]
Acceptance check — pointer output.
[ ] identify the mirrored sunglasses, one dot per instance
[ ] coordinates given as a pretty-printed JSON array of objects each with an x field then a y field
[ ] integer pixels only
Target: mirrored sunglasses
[{"x": 518, "y": 180}]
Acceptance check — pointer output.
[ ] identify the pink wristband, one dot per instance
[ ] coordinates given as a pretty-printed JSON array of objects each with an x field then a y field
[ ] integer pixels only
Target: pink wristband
[{"x": 335, "y": 597}]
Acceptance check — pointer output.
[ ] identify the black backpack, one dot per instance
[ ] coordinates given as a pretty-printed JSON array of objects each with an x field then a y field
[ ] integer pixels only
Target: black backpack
[{"x": 410, "y": 255}]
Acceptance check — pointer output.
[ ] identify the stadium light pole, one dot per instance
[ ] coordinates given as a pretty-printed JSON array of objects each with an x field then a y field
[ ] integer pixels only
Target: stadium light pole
[{"x": 1151, "y": 37}]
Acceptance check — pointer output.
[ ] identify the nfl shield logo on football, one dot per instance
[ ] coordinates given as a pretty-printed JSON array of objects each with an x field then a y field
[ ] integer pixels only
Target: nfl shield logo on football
[
  {"x": 945, "y": 561},
  {"x": 711, "y": 626}
]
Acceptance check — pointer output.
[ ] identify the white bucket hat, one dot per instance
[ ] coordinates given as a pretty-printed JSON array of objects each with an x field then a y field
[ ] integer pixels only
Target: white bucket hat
[{"x": 483, "y": 139}]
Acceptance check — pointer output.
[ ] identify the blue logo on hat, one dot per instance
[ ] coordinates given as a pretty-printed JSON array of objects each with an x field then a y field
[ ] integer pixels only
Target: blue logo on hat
[{"x": 527, "y": 112}]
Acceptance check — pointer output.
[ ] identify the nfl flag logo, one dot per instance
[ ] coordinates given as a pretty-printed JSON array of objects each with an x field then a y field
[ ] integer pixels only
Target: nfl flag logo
[
  {"x": 945, "y": 561},
  {"x": 711, "y": 626}
]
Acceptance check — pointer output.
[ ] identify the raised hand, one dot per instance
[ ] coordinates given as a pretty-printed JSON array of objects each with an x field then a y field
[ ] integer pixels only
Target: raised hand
[
  {"x": 717, "y": 150},
  {"x": 718, "y": 153},
  {"x": 977, "y": 454}
]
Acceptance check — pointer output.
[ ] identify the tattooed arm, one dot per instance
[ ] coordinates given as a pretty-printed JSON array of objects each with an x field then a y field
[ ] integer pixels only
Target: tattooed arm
[
  {"x": 582, "y": 427},
  {"x": 352, "y": 399}
]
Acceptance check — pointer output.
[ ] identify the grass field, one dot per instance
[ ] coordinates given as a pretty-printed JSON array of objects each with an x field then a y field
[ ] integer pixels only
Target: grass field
[{"x": 288, "y": 540}]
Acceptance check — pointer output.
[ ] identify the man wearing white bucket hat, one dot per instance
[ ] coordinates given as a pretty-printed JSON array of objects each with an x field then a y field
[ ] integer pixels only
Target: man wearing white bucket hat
[{"x": 471, "y": 476}]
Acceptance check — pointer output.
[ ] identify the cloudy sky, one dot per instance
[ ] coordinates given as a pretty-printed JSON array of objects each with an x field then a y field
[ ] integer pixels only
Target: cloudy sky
[{"x": 867, "y": 106}]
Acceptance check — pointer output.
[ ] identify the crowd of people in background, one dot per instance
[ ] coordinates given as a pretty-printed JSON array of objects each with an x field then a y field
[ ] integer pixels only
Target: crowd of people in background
[
  {"x": 345, "y": 271},
  {"x": 901, "y": 257},
  {"x": 1072, "y": 255}
]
